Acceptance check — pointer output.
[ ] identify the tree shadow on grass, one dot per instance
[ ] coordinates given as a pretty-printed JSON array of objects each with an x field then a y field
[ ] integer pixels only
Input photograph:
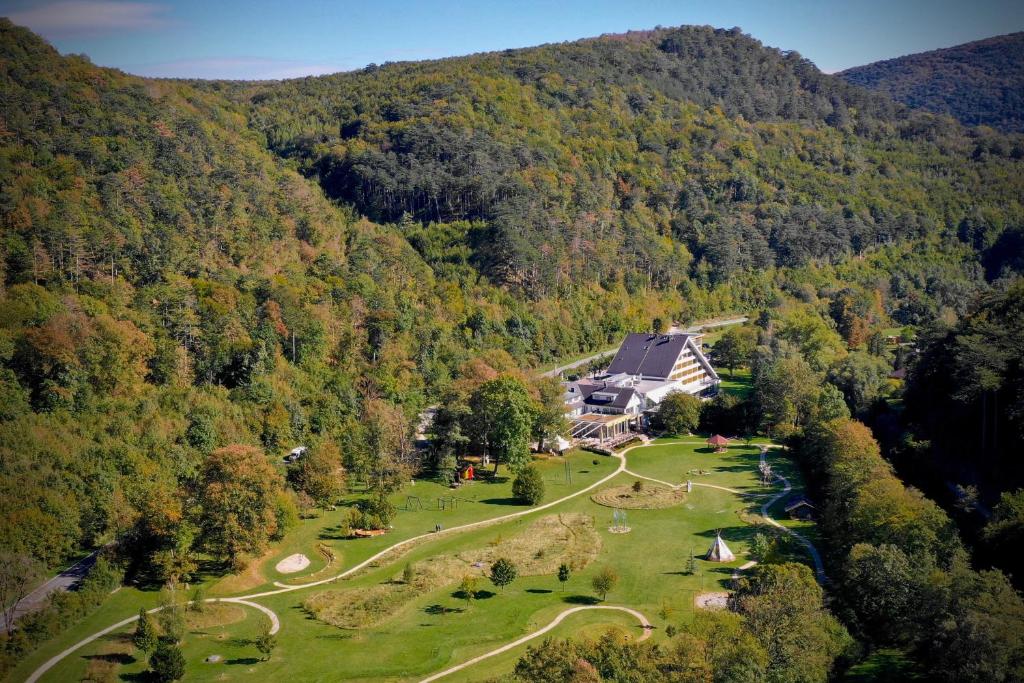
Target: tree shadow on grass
[
  {"x": 438, "y": 609},
  {"x": 539, "y": 591},
  {"x": 121, "y": 658},
  {"x": 581, "y": 600},
  {"x": 484, "y": 595},
  {"x": 333, "y": 533},
  {"x": 336, "y": 636},
  {"x": 247, "y": 661},
  {"x": 501, "y": 501}
]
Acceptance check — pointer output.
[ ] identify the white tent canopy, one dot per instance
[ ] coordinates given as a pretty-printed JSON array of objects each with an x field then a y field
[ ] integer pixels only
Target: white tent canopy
[{"x": 719, "y": 551}]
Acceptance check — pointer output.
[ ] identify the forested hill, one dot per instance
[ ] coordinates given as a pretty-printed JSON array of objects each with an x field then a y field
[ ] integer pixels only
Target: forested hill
[
  {"x": 172, "y": 283},
  {"x": 979, "y": 83},
  {"x": 638, "y": 157}
]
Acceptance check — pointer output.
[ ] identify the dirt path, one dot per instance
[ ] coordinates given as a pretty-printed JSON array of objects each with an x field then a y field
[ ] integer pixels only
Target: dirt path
[
  {"x": 819, "y": 567},
  {"x": 644, "y": 623},
  {"x": 247, "y": 599}
]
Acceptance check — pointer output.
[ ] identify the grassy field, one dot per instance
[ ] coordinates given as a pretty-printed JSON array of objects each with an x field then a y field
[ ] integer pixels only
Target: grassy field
[
  {"x": 737, "y": 382},
  {"x": 429, "y": 630}
]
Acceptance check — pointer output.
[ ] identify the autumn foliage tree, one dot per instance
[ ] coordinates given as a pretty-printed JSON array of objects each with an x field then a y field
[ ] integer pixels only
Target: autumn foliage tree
[{"x": 238, "y": 494}]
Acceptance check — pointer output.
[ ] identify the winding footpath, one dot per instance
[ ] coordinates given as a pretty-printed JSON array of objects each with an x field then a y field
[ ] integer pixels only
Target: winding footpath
[
  {"x": 644, "y": 623},
  {"x": 247, "y": 600},
  {"x": 819, "y": 567}
]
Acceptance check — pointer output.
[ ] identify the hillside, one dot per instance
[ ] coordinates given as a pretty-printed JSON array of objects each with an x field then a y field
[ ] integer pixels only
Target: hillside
[
  {"x": 194, "y": 271},
  {"x": 652, "y": 158},
  {"x": 979, "y": 83}
]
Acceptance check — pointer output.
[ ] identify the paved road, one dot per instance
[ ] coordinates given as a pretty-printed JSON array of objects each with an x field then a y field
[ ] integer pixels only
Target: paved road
[
  {"x": 692, "y": 329},
  {"x": 644, "y": 623},
  {"x": 64, "y": 581}
]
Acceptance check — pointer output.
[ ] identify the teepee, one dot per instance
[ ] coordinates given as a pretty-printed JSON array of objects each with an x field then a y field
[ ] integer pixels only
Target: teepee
[{"x": 719, "y": 551}]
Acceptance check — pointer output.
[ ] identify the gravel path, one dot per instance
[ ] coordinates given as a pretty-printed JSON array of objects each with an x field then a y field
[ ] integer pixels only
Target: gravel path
[
  {"x": 819, "y": 567},
  {"x": 644, "y": 623},
  {"x": 276, "y": 624}
]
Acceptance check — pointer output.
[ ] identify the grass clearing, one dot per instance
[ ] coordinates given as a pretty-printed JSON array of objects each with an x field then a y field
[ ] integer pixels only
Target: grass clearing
[
  {"x": 540, "y": 549},
  {"x": 433, "y": 628}
]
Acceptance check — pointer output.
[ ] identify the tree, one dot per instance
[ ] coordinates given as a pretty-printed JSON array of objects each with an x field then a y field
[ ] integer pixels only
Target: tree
[
  {"x": 862, "y": 379},
  {"x": 549, "y": 421},
  {"x": 319, "y": 474},
  {"x": 265, "y": 643},
  {"x": 657, "y": 326},
  {"x": 978, "y": 634},
  {"x": 553, "y": 661},
  {"x": 782, "y": 605},
  {"x": 171, "y": 617},
  {"x": 18, "y": 574},
  {"x": 604, "y": 581},
  {"x": 880, "y": 585},
  {"x": 785, "y": 392},
  {"x": 678, "y": 413},
  {"x": 564, "y": 573},
  {"x": 735, "y": 347},
  {"x": 238, "y": 492},
  {"x": 467, "y": 589},
  {"x": 528, "y": 486},
  {"x": 831, "y": 404},
  {"x": 763, "y": 548},
  {"x": 717, "y": 646},
  {"x": 144, "y": 637},
  {"x": 389, "y": 449},
  {"x": 1005, "y": 529},
  {"x": 408, "y": 574},
  {"x": 502, "y": 415},
  {"x": 503, "y": 572},
  {"x": 167, "y": 664}
]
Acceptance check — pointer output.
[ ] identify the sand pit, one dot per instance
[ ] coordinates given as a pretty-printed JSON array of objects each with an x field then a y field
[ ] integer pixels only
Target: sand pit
[
  {"x": 713, "y": 601},
  {"x": 292, "y": 563}
]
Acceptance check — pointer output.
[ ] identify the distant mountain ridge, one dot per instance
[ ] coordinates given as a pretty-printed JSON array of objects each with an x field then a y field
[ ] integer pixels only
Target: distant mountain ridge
[{"x": 978, "y": 83}]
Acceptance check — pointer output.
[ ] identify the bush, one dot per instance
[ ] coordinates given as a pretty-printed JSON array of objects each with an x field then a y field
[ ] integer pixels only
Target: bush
[
  {"x": 167, "y": 663},
  {"x": 528, "y": 486}
]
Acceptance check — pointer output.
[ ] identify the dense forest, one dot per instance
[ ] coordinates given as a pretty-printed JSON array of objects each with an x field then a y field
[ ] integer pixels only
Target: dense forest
[
  {"x": 979, "y": 83},
  {"x": 199, "y": 271}
]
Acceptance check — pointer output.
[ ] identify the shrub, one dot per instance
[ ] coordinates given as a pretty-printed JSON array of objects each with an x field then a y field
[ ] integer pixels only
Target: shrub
[
  {"x": 528, "y": 486},
  {"x": 167, "y": 663}
]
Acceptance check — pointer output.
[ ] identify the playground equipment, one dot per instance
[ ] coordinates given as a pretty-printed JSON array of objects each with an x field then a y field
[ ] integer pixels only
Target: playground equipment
[
  {"x": 413, "y": 503},
  {"x": 447, "y": 503}
]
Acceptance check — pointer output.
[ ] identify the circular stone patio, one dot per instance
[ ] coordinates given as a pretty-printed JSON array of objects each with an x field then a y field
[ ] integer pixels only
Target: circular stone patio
[{"x": 292, "y": 563}]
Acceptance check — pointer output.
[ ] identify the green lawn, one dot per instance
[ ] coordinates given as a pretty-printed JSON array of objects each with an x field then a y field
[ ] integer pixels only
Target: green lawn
[
  {"x": 737, "y": 382},
  {"x": 435, "y": 629}
]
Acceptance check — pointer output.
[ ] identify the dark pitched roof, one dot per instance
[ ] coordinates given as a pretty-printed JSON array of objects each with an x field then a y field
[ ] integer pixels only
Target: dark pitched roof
[
  {"x": 623, "y": 395},
  {"x": 648, "y": 354}
]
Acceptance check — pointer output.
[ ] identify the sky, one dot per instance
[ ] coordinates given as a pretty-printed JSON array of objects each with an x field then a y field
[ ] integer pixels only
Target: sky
[{"x": 262, "y": 39}]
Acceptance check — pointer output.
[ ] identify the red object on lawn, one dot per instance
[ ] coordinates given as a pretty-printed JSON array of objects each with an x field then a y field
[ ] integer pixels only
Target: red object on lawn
[{"x": 719, "y": 442}]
